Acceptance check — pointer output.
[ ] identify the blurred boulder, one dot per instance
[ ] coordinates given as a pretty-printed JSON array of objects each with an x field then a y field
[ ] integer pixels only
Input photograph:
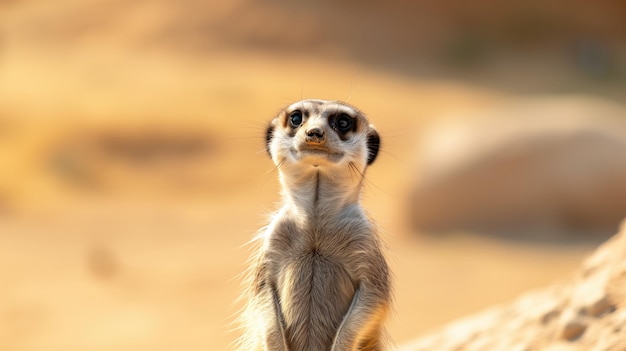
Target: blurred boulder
[
  {"x": 588, "y": 312},
  {"x": 534, "y": 168}
]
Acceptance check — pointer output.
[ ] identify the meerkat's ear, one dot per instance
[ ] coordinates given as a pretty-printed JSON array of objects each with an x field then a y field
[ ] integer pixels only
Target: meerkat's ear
[
  {"x": 373, "y": 144},
  {"x": 269, "y": 134}
]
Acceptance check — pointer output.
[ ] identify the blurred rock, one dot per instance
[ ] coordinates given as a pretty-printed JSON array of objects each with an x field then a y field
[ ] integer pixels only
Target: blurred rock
[
  {"x": 110, "y": 159},
  {"x": 588, "y": 312},
  {"x": 541, "y": 167}
]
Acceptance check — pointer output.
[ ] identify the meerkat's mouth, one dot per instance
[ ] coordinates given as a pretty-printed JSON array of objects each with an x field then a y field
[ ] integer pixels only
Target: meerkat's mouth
[{"x": 316, "y": 152}]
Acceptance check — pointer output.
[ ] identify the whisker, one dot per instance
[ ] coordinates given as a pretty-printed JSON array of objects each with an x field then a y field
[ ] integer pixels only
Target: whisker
[
  {"x": 402, "y": 162},
  {"x": 272, "y": 171},
  {"x": 371, "y": 184},
  {"x": 254, "y": 123},
  {"x": 244, "y": 138},
  {"x": 347, "y": 99},
  {"x": 350, "y": 170},
  {"x": 353, "y": 170},
  {"x": 362, "y": 178},
  {"x": 261, "y": 151},
  {"x": 277, "y": 166}
]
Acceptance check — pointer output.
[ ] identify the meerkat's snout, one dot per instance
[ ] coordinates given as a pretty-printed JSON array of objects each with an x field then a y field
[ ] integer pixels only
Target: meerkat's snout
[{"x": 315, "y": 135}]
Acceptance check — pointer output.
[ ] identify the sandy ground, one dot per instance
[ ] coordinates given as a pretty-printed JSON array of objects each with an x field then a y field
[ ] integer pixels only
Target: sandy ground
[{"x": 107, "y": 250}]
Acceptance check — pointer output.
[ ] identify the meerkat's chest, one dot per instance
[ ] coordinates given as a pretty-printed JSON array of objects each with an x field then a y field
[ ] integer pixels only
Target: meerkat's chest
[
  {"x": 317, "y": 274},
  {"x": 315, "y": 291},
  {"x": 314, "y": 260}
]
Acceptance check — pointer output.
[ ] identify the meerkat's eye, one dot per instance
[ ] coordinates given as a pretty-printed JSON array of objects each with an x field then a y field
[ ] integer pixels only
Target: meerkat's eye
[
  {"x": 295, "y": 119},
  {"x": 344, "y": 123}
]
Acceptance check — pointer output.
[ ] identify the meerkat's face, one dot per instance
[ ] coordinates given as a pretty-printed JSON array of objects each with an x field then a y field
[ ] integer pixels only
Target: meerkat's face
[{"x": 322, "y": 134}]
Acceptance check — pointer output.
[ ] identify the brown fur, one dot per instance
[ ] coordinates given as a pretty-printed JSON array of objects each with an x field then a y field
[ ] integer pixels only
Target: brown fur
[{"x": 319, "y": 280}]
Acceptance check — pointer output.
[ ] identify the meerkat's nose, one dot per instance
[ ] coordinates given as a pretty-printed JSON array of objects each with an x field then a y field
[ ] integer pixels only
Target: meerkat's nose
[{"x": 315, "y": 135}]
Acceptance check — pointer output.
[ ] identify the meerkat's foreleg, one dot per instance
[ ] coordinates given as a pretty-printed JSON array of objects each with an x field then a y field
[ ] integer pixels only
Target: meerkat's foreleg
[
  {"x": 275, "y": 339},
  {"x": 361, "y": 319}
]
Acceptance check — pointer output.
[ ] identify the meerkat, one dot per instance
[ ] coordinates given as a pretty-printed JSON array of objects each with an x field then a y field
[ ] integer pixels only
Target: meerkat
[{"x": 319, "y": 280}]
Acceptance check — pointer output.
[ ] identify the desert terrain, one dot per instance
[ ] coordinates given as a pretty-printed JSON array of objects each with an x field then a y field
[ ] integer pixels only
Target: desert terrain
[{"x": 132, "y": 175}]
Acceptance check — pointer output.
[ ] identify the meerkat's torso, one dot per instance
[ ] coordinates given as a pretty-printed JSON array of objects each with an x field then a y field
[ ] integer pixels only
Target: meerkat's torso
[
  {"x": 316, "y": 270},
  {"x": 319, "y": 281}
]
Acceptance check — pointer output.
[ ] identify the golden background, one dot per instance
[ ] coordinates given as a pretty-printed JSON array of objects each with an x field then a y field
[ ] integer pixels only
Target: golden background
[{"x": 133, "y": 170}]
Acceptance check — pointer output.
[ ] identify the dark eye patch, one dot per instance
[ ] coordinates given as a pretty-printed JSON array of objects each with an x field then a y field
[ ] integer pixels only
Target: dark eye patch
[{"x": 343, "y": 123}]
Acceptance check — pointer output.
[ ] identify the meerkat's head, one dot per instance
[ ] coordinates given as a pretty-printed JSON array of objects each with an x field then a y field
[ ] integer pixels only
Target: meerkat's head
[{"x": 321, "y": 135}]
